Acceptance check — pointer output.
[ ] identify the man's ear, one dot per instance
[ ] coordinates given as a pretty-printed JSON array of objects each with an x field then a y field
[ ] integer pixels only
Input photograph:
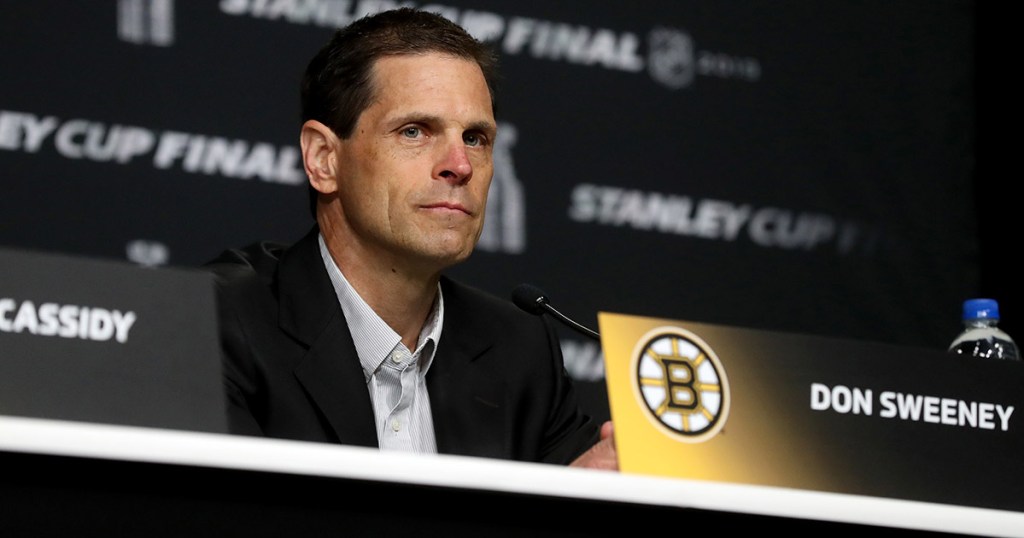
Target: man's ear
[{"x": 319, "y": 145}]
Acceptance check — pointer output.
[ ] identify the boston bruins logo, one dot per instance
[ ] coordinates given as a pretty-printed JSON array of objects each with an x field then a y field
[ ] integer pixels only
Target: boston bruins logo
[{"x": 681, "y": 383}]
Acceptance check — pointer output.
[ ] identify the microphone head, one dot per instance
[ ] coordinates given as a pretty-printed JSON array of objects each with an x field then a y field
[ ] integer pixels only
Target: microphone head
[{"x": 529, "y": 298}]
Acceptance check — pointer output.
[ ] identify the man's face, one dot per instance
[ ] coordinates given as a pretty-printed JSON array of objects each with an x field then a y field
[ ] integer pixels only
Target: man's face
[{"x": 414, "y": 175}]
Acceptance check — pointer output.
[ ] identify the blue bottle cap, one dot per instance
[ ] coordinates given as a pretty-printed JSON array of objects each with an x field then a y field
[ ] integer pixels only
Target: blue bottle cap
[{"x": 981, "y": 309}]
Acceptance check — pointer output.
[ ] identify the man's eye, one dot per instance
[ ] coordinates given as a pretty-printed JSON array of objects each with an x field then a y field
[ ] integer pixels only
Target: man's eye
[
  {"x": 411, "y": 132},
  {"x": 473, "y": 139}
]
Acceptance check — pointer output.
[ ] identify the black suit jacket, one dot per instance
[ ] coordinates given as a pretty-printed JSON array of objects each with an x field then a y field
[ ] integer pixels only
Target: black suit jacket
[{"x": 497, "y": 384}]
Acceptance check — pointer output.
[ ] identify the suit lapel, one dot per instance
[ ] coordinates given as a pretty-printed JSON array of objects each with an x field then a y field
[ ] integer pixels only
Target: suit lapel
[
  {"x": 330, "y": 371},
  {"x": 467, "y": 398}
]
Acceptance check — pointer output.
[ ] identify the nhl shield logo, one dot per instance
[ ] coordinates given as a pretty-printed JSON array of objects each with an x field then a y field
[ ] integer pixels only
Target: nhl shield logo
[{"x": 670, "y": 57}]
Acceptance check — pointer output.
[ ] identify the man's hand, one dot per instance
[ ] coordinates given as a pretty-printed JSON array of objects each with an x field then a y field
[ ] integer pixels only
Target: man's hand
[{"x": 602, "y": 455}]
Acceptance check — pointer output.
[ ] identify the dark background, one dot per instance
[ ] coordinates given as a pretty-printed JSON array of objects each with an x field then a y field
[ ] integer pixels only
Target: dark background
[
  {"x": 997, "y": 147},
  {"x": 895, "y": 116}
]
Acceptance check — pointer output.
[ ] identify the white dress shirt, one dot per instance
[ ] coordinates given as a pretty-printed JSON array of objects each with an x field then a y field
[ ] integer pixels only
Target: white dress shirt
[{"x": 395, "y": 376}]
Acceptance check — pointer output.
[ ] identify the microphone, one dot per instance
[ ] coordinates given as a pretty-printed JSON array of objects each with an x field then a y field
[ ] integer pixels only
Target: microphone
[{"x": 533, "y": 300}]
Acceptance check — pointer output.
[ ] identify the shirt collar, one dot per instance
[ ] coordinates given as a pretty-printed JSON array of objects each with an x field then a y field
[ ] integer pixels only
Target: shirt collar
[{"x": 373, "y": 338}]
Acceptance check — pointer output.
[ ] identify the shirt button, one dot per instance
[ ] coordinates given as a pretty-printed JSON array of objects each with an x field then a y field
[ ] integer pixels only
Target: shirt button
[
  {"x": 396, "y": 425},
  {"x": 396, "y": 357}
]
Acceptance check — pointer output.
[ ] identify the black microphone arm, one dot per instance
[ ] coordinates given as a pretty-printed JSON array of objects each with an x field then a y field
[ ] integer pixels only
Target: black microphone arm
[{"x": 533, "y": 300}]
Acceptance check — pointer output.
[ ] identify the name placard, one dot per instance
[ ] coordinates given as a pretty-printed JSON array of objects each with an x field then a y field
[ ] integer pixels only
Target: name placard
[
  {"x": 104, "y": 341},
  {"x": 720, "y": 403}
]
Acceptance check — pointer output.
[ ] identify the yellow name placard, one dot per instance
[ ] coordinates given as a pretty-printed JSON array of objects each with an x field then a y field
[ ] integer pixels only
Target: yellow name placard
[{"x": 719, "y": 403}]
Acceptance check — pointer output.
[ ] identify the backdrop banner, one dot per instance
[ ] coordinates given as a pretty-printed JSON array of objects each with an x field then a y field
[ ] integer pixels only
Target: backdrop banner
[{"x": 788, "y": 165}]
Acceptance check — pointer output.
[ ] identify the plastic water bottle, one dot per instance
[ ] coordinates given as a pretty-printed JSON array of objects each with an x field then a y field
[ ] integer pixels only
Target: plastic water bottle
[{"x": 982, "y": 336}]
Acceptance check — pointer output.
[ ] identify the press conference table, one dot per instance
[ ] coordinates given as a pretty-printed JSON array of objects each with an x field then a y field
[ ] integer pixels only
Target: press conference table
[{"x": 76, "y": 478}]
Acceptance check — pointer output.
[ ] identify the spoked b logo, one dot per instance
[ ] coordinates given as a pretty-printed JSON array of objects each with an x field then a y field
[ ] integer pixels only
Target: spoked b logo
[{"x": 681, "y": 384}]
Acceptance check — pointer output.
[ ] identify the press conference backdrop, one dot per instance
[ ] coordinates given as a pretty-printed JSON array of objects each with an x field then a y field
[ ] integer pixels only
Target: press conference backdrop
[{"x": 787, "y": 165}]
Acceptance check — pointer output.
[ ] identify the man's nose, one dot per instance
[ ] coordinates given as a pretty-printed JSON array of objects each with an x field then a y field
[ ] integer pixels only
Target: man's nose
[{"x": 453, "y": 164}]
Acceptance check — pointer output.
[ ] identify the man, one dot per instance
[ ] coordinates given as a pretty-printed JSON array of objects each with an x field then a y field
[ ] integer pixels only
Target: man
[{"x": 352, "y": 335}]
